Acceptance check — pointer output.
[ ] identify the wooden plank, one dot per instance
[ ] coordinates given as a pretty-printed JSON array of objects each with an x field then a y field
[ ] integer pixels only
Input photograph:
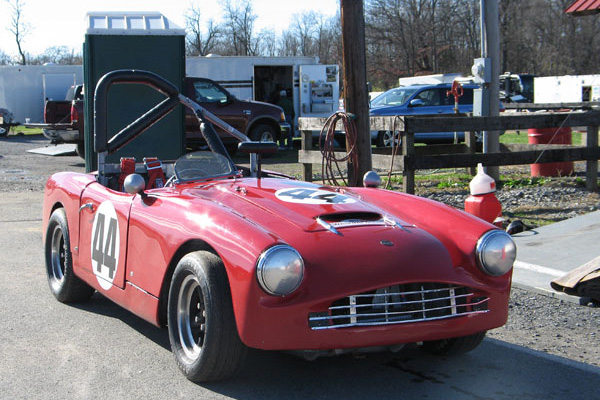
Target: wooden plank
[
  {"x": 380, "y": 161},
  {"x": 525, "y": 157},
  {"x": 451, "y": 123},
  {"x": 501, "y": 123},
  {"x": 551, "y": 106},
  {"x": 306, "y": 146},
  {"x": 591, "y": 167}
]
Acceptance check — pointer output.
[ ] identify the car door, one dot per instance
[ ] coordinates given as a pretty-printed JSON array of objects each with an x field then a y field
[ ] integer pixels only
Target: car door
[
  {"x": 103, "y": 226},
  {"x": 429, "y": 102}
]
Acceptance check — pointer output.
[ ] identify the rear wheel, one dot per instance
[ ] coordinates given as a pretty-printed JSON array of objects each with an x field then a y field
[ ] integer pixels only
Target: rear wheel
[
  {"x": 454, "y": 346},
  {"x": 386, "y": 139},
  {"x": 202, "y": 329},
  {"x": 64, "y": 285},
  {"x": 80, "y": 149}
]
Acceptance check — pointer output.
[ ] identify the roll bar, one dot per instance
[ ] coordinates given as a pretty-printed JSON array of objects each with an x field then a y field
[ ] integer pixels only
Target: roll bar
[{"x": 104, "y": 145}]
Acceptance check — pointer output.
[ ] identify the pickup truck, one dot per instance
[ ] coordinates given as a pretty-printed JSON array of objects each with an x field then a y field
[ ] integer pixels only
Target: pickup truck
[
  {"x": 63, "y": 119},
  {"x": 64, "y": 122}
]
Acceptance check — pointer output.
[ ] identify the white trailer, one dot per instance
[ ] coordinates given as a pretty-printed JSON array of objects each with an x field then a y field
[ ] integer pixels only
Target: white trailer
[
  {"x": 25, "y": 88},
  {"x": 566, "y": 89},
  {"x": 314, "y": 87},
  {"x": 428, "y": 79}
]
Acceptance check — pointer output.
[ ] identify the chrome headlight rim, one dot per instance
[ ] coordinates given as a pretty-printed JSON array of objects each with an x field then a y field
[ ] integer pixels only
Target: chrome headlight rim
[
  {"x": 489, "y": 245},
  {"x": 263, "y": 270}
]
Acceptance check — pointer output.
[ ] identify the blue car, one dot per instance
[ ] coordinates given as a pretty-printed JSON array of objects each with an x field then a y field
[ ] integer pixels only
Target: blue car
[{"x": 421, "y": 100}]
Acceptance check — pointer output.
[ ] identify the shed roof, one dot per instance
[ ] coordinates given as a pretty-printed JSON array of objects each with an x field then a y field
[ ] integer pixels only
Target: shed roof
[
  {"x": 584, "y": 7},
  {"x": 131, "y": 23}
]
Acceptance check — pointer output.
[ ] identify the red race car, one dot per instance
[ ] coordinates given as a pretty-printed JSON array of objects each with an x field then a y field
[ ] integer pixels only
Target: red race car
[{"x": 229, "y": 257}]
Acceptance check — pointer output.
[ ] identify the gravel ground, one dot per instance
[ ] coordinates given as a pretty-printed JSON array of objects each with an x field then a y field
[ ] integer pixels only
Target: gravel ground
[
  {"x": 535, "y": 321},
  {"x": 557, "y": 199}
]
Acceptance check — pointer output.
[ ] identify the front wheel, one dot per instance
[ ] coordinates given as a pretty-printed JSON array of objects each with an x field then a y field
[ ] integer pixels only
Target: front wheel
[
  {"x": 263, "y": 133},
  {"x": 63, "y": 282},
  {"x": 202, "y": 329},
  {"x": 454, "y": 346}
]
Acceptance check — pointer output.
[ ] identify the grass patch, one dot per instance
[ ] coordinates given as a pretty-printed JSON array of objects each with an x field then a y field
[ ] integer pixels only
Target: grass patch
[
  {"x": 28, "y": 131},
  {"x": 524, "y": 182},
  {"x": 22, "y": 130},
  {"x": 521, "y": 137}
]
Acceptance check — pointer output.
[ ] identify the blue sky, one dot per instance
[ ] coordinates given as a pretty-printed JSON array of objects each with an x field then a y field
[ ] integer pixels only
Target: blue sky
[{"x": 62, "y": 22}]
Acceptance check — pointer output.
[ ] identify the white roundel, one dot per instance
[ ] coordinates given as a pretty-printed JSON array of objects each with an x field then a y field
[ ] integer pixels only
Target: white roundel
[
  {"x": 105, "y": 244},
  {"x": 312, "y": 196}
]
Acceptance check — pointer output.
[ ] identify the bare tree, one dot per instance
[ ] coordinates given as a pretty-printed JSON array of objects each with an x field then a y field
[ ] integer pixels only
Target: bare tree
[
  {"x": 305, "y": 29},
  {"x": 239, "y": 23},
  {"x": 199, "y": 42},
  {"x": 17, "y": 26},
  {"x": 267, "y": 43},
  {"x": 4, "y": 58},
  {"x": 61, "y": 55}
]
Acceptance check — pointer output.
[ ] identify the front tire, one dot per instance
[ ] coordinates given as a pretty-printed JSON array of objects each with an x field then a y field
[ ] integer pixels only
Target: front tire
[
  {"x": 202, "y": 329},
  {"x": 454, "y": 346},
  {"x": 63, "y": 282},
  {"x": 263, "y": 133}
]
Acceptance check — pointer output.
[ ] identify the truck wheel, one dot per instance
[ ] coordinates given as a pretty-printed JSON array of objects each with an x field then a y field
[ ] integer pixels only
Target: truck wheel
[
  {"x": 63, "y": 282},
  {"x": 202, "y": 329},
  {"x": 454, "y": 346},
  {"x": 263, "y": 133},
  {"x": 80, "y": 149}
]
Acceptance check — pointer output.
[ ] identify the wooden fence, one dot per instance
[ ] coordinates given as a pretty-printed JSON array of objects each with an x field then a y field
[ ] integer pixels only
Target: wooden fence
[{"x": 465, "y": 155}]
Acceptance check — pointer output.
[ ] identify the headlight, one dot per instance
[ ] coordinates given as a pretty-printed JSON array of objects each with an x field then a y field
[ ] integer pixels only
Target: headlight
[
  {"x": 496, "y": 252},
  {"x": 280, "y": 270}
]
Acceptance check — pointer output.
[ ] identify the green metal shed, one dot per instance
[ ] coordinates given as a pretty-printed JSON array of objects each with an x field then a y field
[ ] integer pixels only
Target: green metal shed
[{"x": 134, "y": 40}]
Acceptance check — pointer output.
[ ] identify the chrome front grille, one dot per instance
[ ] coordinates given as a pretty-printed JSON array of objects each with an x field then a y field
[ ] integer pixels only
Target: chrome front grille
[{"x": 400, "y": 304}]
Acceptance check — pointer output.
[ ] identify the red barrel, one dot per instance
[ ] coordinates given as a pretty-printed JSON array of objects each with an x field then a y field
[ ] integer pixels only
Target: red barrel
[{"x": 550, "y": 136}]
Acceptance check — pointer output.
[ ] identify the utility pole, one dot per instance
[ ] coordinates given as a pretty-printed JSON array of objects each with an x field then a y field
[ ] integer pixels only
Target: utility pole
[
  {"x": 355, "y": 82},
  {"x": 486, "y": 71}
]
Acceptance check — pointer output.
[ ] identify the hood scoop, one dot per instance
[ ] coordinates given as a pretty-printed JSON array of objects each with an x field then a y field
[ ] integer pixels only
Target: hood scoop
[{"x": 333, "y": 222}]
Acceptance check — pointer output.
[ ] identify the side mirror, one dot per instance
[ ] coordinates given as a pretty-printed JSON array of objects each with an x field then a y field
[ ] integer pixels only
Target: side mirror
[
  {"x": 261, "y": 148},
  {"x": 416, "y": 103},
  {"x": 256, "y": 150},
  {"x": 134, "y": 184}
]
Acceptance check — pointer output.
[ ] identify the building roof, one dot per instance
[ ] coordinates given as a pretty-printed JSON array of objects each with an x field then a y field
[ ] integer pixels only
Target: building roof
[{"x": 583, "y": 7}]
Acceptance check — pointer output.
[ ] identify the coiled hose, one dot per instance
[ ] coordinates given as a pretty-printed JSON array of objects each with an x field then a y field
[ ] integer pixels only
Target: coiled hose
[{"x": 330, "y": 174}]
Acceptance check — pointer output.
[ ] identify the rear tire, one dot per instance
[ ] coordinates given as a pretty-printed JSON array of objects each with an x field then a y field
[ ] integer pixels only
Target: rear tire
[
  {"x": 202, "y": 329},
  {"x": 386, "y": 139},
  {"x": 454, "y": 346},
  {"x": 63, "y": 282},
  {"x": 80, "y": 149}
]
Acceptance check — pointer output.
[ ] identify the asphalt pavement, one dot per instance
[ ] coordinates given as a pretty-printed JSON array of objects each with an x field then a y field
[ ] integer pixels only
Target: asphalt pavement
[
  {"x": 552, "y": 251},
  {"x": 97, "y": 350}
]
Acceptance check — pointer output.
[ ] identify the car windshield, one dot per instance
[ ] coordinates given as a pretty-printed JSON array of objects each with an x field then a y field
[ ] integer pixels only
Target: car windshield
[
  {"x": 207, "y": 92},
  {"x": 393, "y": 97},
  {"x": 202, "y": 165}
]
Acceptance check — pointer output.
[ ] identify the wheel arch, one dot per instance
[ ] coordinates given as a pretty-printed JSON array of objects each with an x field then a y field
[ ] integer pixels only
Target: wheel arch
[
  {"x": 186, "y": 248},
  {"x": 267, "y": 121}
]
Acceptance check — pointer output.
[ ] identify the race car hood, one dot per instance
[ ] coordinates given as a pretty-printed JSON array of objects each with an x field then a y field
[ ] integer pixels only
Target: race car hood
[{"x": 308, "y": 206}]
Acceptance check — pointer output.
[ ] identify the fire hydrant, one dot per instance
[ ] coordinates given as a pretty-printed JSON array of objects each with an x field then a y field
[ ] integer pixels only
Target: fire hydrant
[{"x": 482, "y": 202}]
